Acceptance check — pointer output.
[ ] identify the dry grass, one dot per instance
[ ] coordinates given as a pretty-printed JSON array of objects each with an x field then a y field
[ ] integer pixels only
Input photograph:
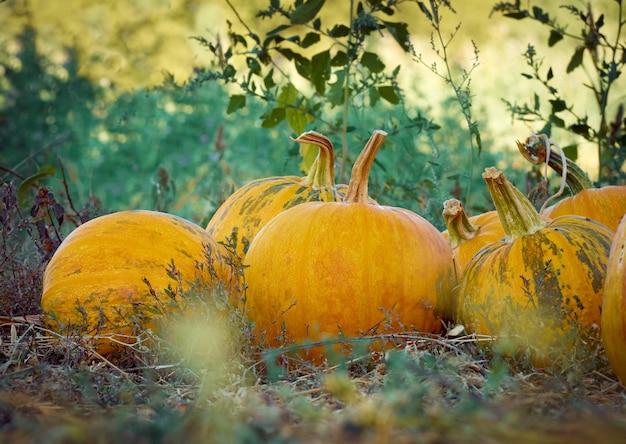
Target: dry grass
[{"x": 430, "y": 389}]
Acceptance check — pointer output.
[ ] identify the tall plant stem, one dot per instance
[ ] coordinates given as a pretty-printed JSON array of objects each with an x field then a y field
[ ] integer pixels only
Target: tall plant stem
[
  {"x": 463, "y": 102},
  {"x": 346, "y": 106},
  {"x": 603, "y": 95}
]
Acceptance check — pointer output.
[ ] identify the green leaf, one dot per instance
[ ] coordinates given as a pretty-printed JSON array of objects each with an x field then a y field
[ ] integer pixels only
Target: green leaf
[
  {"x": 237, "y": 38},
  {"x": 320, "y": 70},
  {"x": 600, "y": 22},
  {"x": 571, "y": 152},
  {"x": 296, "y": 118},
  {"x": 310, "y": 39},
  {"x": 253, "y": 65},
  {"x": 555, "y": 37},
  {"x": 336, "y": 94},
  {"x": 372, "y": 62},
  {"x": 340, "y": 59},
  {"x": 576, "y": 60},
  {"x": 303, "y": 66},
  {"x": 374, "y": 96},
  {"x": 268, "y": 80},
  {"x": 339, "y": 31},
  {"x": 306, "y": 12},
  {"x": 425, "y": 11},
  {"x": 44, "y": 171},
  {"x": 537, "y": 102},
  {"x": 543, "y": 17},
  {"x": 273, "y": 118},
  {"x": 237, "y": 101},
  {"x": 400, "y": 33},
  {"x": 582, "y": 129},
  {"x": 517, "y": 15},
  {"x": 389, "y": 94},
  {"x": 288, "y": 95},
  {"x": 276, "y": 31},
  {"x": 547, "y": 129},
  {"x": 560, "y": 123},
  {"x": 558, "y": 105}
]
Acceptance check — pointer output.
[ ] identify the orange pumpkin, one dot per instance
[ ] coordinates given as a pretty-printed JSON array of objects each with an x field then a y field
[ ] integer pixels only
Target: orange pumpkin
[
  {"x": 466, "y": 235},
  {"x": 614, "y": 304},
  {"x": 540, "y": 286},
  {"x": 111, "y": 276},
  {"x": 332, "y": 270},
  {"x": 248, "y": 209},
  {"x": 606, "y": 204}
]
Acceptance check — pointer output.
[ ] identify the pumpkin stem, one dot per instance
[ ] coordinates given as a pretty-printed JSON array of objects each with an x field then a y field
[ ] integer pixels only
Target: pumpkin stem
[
  {"x": 357, "y": 187},
  {"x": 460, "y": 229},
  {"x": 322, "y": 171},
  {"x": 535, "y": 151},
  {"x": 517, "y": 214}
]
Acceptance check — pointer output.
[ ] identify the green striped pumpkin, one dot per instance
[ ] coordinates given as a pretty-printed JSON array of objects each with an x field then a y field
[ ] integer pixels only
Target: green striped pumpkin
[
  {"x": 249, "y": 208},
  {"x": 542, "y": 285}
]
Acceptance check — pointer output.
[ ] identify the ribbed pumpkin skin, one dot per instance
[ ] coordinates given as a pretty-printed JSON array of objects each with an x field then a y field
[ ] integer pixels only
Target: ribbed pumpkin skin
[
  {"x": 606, "y": 205},
  {"x": 94, "y": 281},
  {"x": 536, "y": 284},
  {"x": 252, "y": 206},
  {"x": 614, "y": 305},
  {"x": 321, "y": 268}
]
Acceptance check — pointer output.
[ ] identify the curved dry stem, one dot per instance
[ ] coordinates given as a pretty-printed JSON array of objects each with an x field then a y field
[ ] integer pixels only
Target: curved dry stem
[
  {"x": 460, "y": 229},
  {"x": 548, "y": 143},
  {"x": 537, "y": 150},
  {"x": 322, "y": 171},
  {"x": 357, "y": 187},
  {"x": 517, "y": 214}
]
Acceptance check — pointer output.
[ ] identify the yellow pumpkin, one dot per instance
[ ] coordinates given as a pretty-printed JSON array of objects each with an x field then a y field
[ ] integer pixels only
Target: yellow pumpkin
[
  {"x": 540, "y": 286},
  {"x": 248, "y": 209},
  {"x": 466, "y": 235},
  {"x": 606, "y": 204},
  {"x": 614, "y": 304},
  {"x": 332, "y": 270},
  {"x": 111, "y": 276}
]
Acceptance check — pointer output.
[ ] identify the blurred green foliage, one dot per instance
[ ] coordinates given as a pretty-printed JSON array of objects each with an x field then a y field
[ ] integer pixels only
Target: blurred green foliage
[{"x": 175, "y": 148}]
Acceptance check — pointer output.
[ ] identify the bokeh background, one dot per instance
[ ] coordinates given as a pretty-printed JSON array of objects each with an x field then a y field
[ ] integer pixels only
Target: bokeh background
[{"x": 103, "y": 91}]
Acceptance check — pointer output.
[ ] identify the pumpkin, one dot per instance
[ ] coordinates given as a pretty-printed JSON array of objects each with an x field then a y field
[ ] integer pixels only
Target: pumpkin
[
  {"x": 541, "y": 286},
  {"x": 614, "y": 304},
  {"x": 248, "y": 209},
  {"x": 332, "y": 270},
  {"x": 606, "y": 204},
  {"x": 110, "y": 275},
  {"x": 466, "y": 235}
]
